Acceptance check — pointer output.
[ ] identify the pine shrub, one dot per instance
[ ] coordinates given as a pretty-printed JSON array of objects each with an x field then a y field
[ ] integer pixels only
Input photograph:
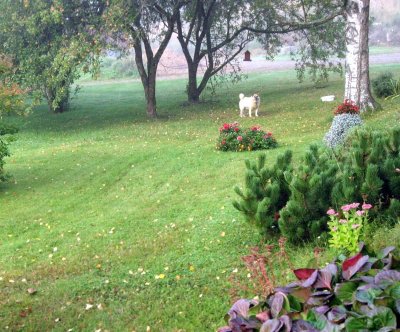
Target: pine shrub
[
  {"x": 303, "y": 218},
  {"x": 366, "y": 168},
  {"x": 266, "y": 192}
]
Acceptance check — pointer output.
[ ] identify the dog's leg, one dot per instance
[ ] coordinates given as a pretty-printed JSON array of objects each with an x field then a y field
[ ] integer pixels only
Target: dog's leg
[
  {"x": 256, "y": 111},
  {"x": 250, "y": 112},
  {"x": 241, "y": 112}
]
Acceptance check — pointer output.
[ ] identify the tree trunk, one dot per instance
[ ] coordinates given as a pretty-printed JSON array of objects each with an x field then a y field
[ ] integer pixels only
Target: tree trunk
[
  {"x": 59, "y": 107},
  {"x": 192, "y": 90},
  {"x": 357, "y": 85},
  {"x": 150, "y": 93}
]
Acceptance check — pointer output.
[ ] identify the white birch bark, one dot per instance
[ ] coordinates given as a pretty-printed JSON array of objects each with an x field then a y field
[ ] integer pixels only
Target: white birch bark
[{"x": 357, "y": 85}]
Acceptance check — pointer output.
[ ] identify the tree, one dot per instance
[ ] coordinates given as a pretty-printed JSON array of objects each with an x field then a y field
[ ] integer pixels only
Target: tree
[
  {"x": 215, "y": 32},
  {"x": 146, "y": 22},
  {"x": 209, "y": 31},
  {"x": 49, "y": 43},
  {"x": 357, "y": 86}
]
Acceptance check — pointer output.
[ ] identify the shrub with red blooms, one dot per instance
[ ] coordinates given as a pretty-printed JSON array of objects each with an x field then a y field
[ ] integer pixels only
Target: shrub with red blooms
[
  {"x": 234, "y": 138},
  {"x": 361, "y": 293},
  {"x": 347, "y": 107}
]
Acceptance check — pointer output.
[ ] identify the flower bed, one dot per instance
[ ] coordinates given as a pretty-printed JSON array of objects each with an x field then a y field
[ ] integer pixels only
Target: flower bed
[
  {"x": 359, "y": 294},
  {"x": 234, "y": 138}
]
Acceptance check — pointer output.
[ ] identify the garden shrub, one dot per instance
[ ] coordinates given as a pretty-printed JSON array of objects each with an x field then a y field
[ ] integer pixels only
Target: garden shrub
[
  {"x": 234, "y": 138},
  {"x": 266, "y": 192},
  {"x": 382, "y": 85},
  {"x": 303, "y": 217},
  {"x": 340, "y": 128},
  {"x": 366, "y": 168},
  {"x": 6, "y": 137},
  {"x": 370, "y": 170},
  {"x": 360, "y": 294}
]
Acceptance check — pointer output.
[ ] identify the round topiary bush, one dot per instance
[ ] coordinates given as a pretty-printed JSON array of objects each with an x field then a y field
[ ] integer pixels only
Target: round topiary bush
[{"x": 340, "y": 127}]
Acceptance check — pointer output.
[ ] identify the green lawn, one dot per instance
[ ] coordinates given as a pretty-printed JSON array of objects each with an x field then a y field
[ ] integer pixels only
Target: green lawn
[{"x": 133, "y": 216}]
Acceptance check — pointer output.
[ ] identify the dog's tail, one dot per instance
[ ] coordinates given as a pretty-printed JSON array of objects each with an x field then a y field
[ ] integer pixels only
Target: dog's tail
[{"x": 241, "y": 96}]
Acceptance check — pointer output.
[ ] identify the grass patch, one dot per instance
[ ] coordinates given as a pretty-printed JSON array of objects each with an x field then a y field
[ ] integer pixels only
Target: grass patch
[{"x": 133, "y": 216}]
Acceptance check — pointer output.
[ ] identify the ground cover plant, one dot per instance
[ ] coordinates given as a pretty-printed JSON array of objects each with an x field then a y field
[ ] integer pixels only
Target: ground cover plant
[
  {"x": 233, "y": 138},
  {"x": 358, "y": 294},
  {"x": 116, "y": 222}
]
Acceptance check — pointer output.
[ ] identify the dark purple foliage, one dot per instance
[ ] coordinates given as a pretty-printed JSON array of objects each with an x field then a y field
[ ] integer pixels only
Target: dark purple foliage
[{"x": 363, "y": 297}]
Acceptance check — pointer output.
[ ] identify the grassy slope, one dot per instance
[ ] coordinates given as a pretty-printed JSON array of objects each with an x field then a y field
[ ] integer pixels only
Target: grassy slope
[{"x": 101, "y": 192}]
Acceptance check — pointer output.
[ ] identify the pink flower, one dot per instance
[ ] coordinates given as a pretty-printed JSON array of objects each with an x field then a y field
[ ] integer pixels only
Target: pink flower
[
  {"x": 354, "y": 205},
  {"x": 255, "y": 128},
  {"x": 360, "y": 213},
  {"x": 334, "y": 229},
  {"x": 346, "y": 207},
  {"x": 355, "y": 226},
  {"x": 343, "y": 221},
  {"x": 331, "y": 212},
  {"x": 239, "y": 138},
  {"x": 366, "y": 206},
  {"x": 226, "y": 126}
]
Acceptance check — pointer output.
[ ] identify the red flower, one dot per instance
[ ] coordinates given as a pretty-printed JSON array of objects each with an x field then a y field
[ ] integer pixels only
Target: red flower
[
  {"x": 226, "y": 126},
  {"x": 236, "y": 129}
]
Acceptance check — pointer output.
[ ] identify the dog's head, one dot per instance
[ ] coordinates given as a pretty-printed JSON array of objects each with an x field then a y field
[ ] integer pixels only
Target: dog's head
[{"x": 256, "y": 98}]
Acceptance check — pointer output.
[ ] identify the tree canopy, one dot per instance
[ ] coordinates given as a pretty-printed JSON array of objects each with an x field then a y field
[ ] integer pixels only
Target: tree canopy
[{"x": 49, "y": 43}]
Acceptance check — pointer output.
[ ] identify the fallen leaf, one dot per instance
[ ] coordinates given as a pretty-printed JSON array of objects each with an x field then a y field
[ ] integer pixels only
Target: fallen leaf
[
  {"x": 88, "y": 306},
  {"x": 32, "y": 291}
]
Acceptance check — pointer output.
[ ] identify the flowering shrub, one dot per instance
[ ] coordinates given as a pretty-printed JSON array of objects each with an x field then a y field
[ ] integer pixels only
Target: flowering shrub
[
  {"x": 347, "y": 107},
  {"x": 359, "y": 294},
  {"x": 233, "y": 138},
  {"x": 345, "y": 232},
  {"x": 340, "y": 127}
]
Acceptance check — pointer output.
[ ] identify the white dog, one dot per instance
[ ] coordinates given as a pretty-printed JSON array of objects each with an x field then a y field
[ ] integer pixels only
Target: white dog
[{"x": 251, "y": 103}]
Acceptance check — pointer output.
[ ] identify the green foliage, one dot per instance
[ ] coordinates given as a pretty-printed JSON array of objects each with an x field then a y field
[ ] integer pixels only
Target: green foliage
[
  {"x": 303, "y": 218},
  {"x": 6, "y": 137},
  {"x": 365, "y": 169},
  {"x": 345, "y": 227},
  {"x": 362, "y": 293},
  {"x": 49, "y": 44},
  {"x": 382, "y": 85},
  {"x": 395, "y": 89},
  {"x": 233, "y": 138},
  {"x": 266, "y": 192},
  {"x": 379, "y": 236}
]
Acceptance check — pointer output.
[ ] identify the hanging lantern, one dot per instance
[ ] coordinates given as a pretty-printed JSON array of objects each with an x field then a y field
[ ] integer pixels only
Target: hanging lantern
[{"x": 247, "y": 56}]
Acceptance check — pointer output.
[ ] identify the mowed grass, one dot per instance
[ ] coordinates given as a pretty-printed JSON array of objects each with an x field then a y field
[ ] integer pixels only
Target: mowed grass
[{"x": 121, "y": 223}]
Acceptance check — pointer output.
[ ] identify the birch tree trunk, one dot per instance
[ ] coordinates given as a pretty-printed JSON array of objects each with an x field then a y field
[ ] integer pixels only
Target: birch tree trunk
[{"x": 357, "y": 85}]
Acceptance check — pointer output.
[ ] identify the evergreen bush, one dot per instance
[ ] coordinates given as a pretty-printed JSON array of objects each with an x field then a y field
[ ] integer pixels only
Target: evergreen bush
[
  {"x": 266, "y": 192},
  {"x": 366, "y": 168},
  {"x": 304, "y": 216}
]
